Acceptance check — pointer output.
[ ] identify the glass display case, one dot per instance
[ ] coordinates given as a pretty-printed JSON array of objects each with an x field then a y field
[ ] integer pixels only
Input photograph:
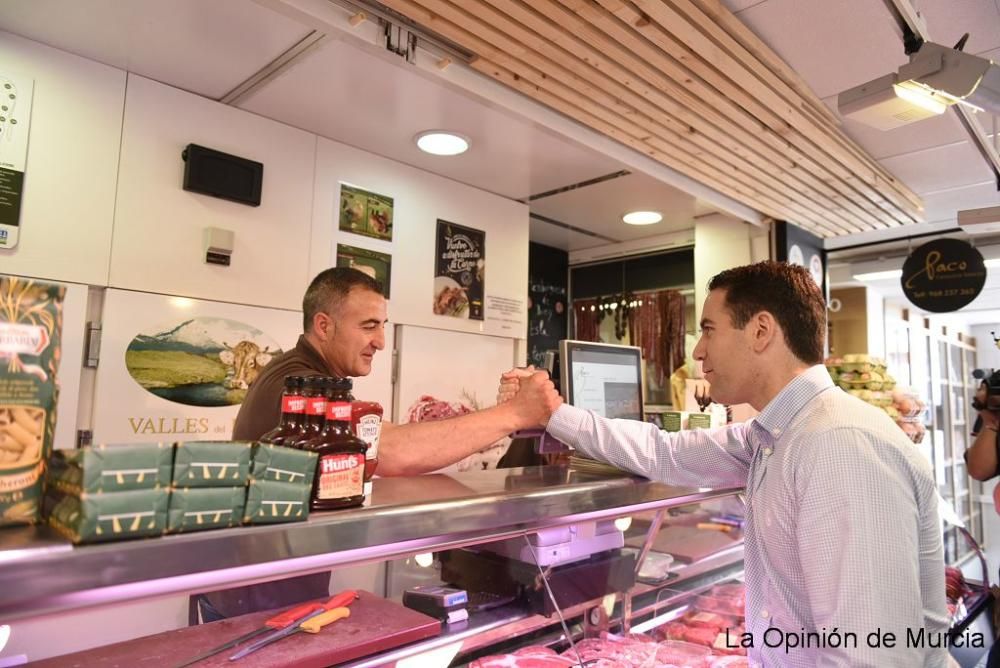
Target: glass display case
[{"x": 546, "y": 556}]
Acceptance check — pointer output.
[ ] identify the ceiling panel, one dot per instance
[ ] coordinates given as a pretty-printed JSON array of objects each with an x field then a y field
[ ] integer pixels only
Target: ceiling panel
[
  {"x": 204, "y": 47},
  {"x": 347, "y": 94},
  {"x": 739, "y": 5},
  {"x": 940, "y": 167},
  {"x": 832, "y": 45},
  {"x": 945, "y": 205},
  {"x": 943, "y": 129},
  {"x": 948, "y": 20},
  {"x": 600, "y": 207},
  {"x": 559, "y": 237}
]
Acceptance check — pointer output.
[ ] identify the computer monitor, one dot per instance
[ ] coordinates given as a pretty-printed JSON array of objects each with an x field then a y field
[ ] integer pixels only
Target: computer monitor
[{"x": 602, "y": 377}]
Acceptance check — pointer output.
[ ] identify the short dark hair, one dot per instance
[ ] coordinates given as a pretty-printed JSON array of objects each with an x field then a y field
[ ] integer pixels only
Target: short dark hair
[
  {"x": 786, "y": 291},
  {"x": 329, "y": 289}
]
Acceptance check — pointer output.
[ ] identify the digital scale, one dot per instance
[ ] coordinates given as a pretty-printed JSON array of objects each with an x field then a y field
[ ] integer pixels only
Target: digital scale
[
  {"x": 582, "y": 562},
  {"x": 560, "y": 545},
  {"x": 445, "y": 603}
]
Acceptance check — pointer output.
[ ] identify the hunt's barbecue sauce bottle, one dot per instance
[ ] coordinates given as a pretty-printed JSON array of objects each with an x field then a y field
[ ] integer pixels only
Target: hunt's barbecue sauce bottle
[
  {"x": 340, "y": 468},
  {"x": 366, "y": 423},
  {"x": 293, "y": 408},
  {"x": 317, "y": 392}
]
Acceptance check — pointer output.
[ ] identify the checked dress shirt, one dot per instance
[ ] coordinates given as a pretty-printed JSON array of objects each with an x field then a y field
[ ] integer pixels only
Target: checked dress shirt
[{"x": 842, "y": 531}]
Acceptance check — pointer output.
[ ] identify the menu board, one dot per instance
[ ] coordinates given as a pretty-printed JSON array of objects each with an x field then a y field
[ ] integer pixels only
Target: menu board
[
  {"x": 547, "y": 287},
  {"x": 460, "y": 271}
]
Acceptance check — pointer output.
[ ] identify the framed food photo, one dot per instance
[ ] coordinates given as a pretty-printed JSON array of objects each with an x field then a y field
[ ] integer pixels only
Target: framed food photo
[
  {"x": 366, "y": 213},
  {"x": 375, "y": 264},
  {"x": 460, "y": 271}
]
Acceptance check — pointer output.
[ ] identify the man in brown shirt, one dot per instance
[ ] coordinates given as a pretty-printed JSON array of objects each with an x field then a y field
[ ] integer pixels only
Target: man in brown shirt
[{"x": 344, "y": 320}]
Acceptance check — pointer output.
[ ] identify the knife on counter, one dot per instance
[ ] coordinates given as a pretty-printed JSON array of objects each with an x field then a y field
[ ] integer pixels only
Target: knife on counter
[
  {"x": 311, "y": 624},
  {"x": 288, "y": 619}
]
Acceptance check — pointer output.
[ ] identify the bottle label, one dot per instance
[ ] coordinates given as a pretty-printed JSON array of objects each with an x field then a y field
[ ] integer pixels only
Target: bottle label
[
  {"x": 368, "y": 429},
  {"x": 316, "y": 406},
  {"x": 293, "y": 403},
  {"x": 338, "y": 411},
  {"x": 341, "y": 476}
]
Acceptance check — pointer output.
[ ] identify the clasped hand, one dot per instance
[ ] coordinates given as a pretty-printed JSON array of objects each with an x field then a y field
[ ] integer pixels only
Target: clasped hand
[{"x": 531, "y": 393}]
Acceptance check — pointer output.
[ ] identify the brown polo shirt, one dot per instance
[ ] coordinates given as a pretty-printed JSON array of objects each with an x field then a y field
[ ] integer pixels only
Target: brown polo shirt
[
  {"x": 261, "y": 409},
  {"x": 260, "y": 412}
]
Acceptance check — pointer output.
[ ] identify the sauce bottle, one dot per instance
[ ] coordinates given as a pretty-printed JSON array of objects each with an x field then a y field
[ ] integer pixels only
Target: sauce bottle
[
  {"x": 315, "y": 389},
  {"x": 366, "y": 423},
  {"x": 340, "y": 467},
  {"x": 293, "y": 408}
]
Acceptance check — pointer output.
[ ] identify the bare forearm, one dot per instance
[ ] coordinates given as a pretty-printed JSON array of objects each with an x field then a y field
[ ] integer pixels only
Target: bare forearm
[
  {"x": 981, "y": 457},
  {"x": 411, "y": 449}
]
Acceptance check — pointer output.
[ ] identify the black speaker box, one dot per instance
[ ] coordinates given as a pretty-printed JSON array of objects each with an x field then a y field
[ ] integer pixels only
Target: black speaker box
[{"x": 219, "y": 174}]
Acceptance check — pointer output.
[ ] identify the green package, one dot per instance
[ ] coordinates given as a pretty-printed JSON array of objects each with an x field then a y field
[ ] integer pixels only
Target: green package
[
  {"x": 30, "y": 333},
  {"x": 195, "y": 509},
  {"x": 269, "y": 501},
  {"x": 212, "y": 464},
  {"x": 281, "y": 464},
  {"x": 672, "y": 421},
  {"x": 92, "y": 518},
  {"x": 699, "y": 421},
  {"x": 111, "y": 468}
]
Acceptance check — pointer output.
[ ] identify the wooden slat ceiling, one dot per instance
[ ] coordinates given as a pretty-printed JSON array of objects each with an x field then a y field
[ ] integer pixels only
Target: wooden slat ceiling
[{"x": 685, "y": 82}]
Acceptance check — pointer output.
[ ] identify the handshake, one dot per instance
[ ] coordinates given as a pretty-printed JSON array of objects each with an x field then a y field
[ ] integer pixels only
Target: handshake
[{"x": 530, "y": 394}]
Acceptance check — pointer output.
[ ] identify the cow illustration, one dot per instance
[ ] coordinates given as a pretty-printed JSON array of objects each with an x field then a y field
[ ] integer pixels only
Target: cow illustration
[{"x": 244, "y": 362}]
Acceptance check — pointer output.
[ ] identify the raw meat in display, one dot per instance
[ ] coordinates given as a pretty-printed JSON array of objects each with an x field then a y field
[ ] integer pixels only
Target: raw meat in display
[
  {"x": 536, "y": 650},
  {"x": 427, "y": 408},
  {"x": 527, "y": 657},
  {"x": 707, "y": 620},
  {"x": 621, "y": 651},
  {"x": 684, "y": 654},
  {"x": 730, "y": 662}
]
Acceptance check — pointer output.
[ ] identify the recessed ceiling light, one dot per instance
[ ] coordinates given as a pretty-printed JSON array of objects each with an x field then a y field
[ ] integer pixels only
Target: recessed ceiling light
[
  {"x": 642, "y": 217},
  {"x": 440, "y": 142}
]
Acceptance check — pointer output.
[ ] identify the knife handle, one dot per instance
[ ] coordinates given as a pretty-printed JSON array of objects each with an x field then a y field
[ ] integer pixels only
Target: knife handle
[
  {"x": 292, "y": 615},
  {"x": 341, "y": 600},
  {"x": 314, "y": 624}
]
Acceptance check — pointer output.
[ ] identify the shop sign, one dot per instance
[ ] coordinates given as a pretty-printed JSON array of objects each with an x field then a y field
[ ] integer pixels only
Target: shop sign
[{"x": 943, "y": 275}]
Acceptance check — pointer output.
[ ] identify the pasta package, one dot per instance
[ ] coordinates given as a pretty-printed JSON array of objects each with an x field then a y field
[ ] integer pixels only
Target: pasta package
[{"x": 30, "y": 329}]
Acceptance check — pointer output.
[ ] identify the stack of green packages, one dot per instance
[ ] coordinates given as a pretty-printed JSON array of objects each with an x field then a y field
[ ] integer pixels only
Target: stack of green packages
[
  {"x": 209, "y": 485},
  {"x": 280, "y": 484},
  {"x": 109, "y": 492}
]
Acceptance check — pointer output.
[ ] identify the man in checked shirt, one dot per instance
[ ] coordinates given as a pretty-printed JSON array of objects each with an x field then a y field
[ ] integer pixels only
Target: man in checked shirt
[{"x": 842, "y": 535}]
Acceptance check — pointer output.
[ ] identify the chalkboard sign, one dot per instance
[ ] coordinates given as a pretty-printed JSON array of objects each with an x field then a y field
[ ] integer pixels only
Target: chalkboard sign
[
  {"x": 547, "y": 305},
  {"x": 943, "y": 275}
]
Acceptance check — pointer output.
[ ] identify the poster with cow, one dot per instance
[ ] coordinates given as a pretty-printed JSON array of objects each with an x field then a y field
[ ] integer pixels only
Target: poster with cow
[{"x": 176, "y": 369}]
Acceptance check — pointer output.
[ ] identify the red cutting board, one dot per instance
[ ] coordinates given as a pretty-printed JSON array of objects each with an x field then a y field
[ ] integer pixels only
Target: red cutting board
[{"x": 375, "y": 625}]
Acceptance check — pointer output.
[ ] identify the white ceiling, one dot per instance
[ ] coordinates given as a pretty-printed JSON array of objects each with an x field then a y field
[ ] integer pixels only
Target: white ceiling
[
  {"x": 353, "y": 93},
  {"x": 838, "y": 45},
  {"x": 362, "y": 96}
]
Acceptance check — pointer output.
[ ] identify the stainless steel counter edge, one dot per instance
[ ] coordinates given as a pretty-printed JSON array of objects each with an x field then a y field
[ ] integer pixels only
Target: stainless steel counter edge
[{"x": 37, "y": 577}]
